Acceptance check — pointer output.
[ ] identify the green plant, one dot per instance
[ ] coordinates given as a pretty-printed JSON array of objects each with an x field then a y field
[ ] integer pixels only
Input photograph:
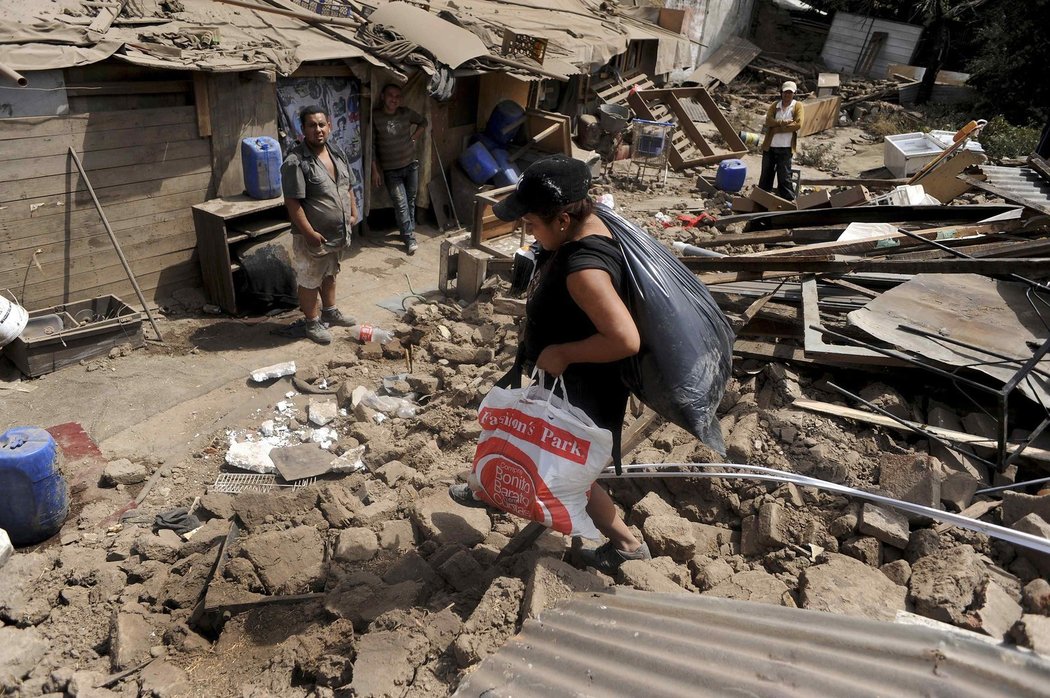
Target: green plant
[
  {"x": 817, "y": 155},
  {"x": 1001, "y": 139}
]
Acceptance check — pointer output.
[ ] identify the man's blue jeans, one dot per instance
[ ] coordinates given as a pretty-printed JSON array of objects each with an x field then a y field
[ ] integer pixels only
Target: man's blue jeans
[{"x": 403, "y": 184}]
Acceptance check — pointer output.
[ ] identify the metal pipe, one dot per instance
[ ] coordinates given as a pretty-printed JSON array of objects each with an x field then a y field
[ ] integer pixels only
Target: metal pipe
[
  {"x": 1012, "y": 486},
  {"x": 116, "y": 243},
  {"x": 1025, "y": 540},
  {"x": 687, "y": 250},
  {"x": 13, "y": 75}
]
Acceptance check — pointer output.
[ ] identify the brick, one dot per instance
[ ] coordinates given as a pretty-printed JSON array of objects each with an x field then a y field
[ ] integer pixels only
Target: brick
[
  {"x": 888, "y": 525},
  {"x": 671, "y": 536}
]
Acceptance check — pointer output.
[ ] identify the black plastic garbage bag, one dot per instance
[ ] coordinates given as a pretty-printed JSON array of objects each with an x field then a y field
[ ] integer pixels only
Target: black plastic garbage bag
[{"x": 687, "y": 343}]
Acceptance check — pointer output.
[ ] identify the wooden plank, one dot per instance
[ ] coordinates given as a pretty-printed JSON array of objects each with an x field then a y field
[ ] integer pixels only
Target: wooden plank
[
  {"x": 94, "y": 161},
  {"x": 959, "y": 437},
  {"x": 117, "y": 197},
  {"x": 201, "y": 104},
  {"x": 813, "y": 338},
  {"x": 830, "y": 265},
  {"x": 111, "y": 177},
  {"x": 155, "y": 286},
  {"x": 135, "y": 87},
  {"x": 84, "y": 223},
  {"x": 32, "y": 126},
  {"x": 942, "y": 182},
  {"x": 769, "y": 200},
  {"x": 771, "y": 350},
  {"x": 239, "y": 108},
  {"x": 92, "y": 141},
  {"x": 820, "y": 114}
]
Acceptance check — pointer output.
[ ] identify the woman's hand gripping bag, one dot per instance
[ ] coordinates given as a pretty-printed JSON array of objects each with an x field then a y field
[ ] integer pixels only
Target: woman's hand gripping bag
[{"x": 538, "y": 456}]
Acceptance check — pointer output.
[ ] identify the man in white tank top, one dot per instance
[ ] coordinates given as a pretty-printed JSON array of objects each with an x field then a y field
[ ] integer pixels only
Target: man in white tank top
[{"x": 783, "y": 121}]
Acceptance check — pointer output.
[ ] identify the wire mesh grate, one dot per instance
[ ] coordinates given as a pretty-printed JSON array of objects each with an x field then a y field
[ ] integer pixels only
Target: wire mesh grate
[{"x": 236, "y": 483}]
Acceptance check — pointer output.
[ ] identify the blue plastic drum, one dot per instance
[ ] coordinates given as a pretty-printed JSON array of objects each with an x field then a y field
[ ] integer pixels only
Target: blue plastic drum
[
  {"x": 731, "y": 175},
  {"x": 478, "y": 163},
  {"x": 34, "y": 497},
  {"x": 505, "y": 121},
  {"x": 261, "y": 163}
]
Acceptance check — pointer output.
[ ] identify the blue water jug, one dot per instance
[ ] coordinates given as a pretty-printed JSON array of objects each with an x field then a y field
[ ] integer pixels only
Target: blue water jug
[
  {"x": 261, "y": 163},
  {"x": 478, "y": 163},
  {"x": 34, "y": 497},
  {"x": 505, "y": 121},
  {"x": 507, "y": 174},
  {"x": 731, "y": 175}
]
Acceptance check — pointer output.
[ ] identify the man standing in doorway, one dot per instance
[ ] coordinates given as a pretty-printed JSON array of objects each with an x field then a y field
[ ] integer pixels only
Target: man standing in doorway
[
  {"x": 395, "y": 130},
  {"x": 783, "y": 121},
  {"x": 318, "y": 193}
]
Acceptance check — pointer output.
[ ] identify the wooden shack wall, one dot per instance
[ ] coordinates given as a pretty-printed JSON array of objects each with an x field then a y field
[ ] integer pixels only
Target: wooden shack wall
[{"x": 136, "y": 133}]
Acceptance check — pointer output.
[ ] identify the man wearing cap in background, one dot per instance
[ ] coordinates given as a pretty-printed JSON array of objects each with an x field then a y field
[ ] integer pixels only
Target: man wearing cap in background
[{"x": 783, "y": 121}]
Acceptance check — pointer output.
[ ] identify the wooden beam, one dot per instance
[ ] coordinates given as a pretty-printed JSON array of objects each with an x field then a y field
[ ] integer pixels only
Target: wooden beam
[
  {"x": 141, "y": 87},
  {"x": 829, "y": 265},
  {"x": 200, "y": 101},
  {"x": 813, "y": 337},
  {"x": 1033, "y": 452}
]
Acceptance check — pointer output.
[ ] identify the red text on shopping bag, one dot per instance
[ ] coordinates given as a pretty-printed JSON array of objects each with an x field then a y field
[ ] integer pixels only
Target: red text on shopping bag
[
  {"x": 536, "y": 431},
  {"x": 511, "y": 481}
]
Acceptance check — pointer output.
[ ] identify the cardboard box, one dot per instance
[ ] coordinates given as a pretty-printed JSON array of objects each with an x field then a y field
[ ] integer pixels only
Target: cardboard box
[{"x": 853, "y": 196}]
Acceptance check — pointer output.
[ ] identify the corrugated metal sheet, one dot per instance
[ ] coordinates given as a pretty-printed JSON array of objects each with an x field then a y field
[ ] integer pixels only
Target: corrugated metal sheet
[
  {"x": 1023, "y": 184},
  {"x": 633, "y": 643},
  {"x": 850, "y": 33}
]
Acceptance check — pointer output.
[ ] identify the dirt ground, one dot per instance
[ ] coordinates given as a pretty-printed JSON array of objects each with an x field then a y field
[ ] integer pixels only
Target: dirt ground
[{"x": 383, "y": 585}]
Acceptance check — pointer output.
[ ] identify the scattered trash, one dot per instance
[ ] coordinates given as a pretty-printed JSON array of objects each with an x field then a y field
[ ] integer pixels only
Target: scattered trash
[
  {"x": 368, "y": 333},
  {"x": 261, "y": 375},
  {"x": 251, "y": 455}
]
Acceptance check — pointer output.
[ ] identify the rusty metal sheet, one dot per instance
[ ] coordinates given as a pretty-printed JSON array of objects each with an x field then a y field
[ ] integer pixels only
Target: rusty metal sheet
[
  {"x": 632, "y": 643},
  {"x": 996, "y": 316}
]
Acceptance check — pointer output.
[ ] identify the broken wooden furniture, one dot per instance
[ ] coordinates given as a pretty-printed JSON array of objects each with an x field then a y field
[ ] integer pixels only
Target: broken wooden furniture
[
  {"x": 688, "y": 147},
  {"x": 221, "y": 225},
  {"x": 486, "y": 248}
]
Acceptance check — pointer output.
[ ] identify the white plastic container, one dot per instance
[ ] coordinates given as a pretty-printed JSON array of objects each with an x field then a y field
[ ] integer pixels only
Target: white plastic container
[{"x": 13, "y": 319}]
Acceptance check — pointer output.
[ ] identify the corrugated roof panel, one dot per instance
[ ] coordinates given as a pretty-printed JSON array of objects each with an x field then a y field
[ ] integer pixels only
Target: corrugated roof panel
[
  {"x": 644, "y": 644},
  {"x": 1023, "y": 183}
]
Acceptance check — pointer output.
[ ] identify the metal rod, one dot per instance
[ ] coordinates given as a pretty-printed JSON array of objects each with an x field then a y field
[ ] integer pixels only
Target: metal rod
[
  {"x": 13, "y": 75},
  {"x": 1012, "y": 486},
  {"x": 1026, "y": 540},
  {"x": 116, "y": 243},
  {"x": 907, "y": 425},
  {"x": 1027, "y": 442}
]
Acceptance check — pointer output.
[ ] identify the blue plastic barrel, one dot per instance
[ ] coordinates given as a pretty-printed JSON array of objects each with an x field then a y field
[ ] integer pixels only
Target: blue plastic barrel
[
  {"x": 507, "y": 174},
  {"x": 478, "y": 163},
  {"x": 731, "y": 175},
  {"x": 261, "y": 163},
  {"x": 505, "y": 121},
  {"x": 34, "y": 497}
]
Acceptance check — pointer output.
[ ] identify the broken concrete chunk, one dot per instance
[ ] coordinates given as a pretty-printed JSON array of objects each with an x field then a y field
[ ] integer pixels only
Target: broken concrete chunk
[
  {"x": 288, "y": 562},
  {"x": 397, "y": 536},
  {"x": 162, "y": 679},
  {"x": 1034, "y": 524},
  {"x": 553, "y": 581},
  {"x": 671, "y": 536},
  {"x": 251, "y": 455},
  {"x": 438, "y": 518},
  {"x": 162, "y": 546},
  {"x": 492, "y": 622},
  {"x": 911, "y": 478},
  {"x": 394, "y": 472},
  {"x": 356, "y": 545},
  {"x": 131, "y": 639},
  {"x": 772, "y": 525},
  {"x": 321, "y": 412},
  {"x": 1037, "y": 597},
  {"x": 462, "y": 354},
  {"x": 386, "y": 661},
  {"x": 708, "y": 573},
  {"x": 122, "y": 472},
  {"x": 261, "y": 375},
  {"x": 461, "y": 570},
  {"x": 20, "y": 652},
  {"x": 1033, "y": 631},
  {"x": 652, "y": 504},
  {"x": 411, "y": 566},
  {"x": 754, "y": 585},
  {"x": 899, "y": 572},
  {"x": 943, "y": 584},
  {"x": 1017, "y": 505},
  {"x": 644, "y": 575},
  {"x": 996, "y": 612},
  {"x": 888, "y": 525},
  {"x": 741, "y": 442},
  {"x": 844, "y": 526},
  {"x": 364, "y": 603},
  {"x": 847, "y": 586},
  {"x": 215, "y": 505},
  {"x": 887, "y": 398}
]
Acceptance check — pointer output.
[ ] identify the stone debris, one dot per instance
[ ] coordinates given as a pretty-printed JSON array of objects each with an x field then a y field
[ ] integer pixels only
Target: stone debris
[
  {"x": 123, "y": 472},
  {"x": 398, "y": 590}
]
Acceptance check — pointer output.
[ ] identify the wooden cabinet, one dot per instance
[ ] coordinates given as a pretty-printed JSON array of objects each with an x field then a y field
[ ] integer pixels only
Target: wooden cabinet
[{"x": 222, "y": 224}]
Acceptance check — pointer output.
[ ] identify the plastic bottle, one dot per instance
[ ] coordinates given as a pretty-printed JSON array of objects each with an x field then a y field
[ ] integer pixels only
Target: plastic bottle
[{"x": 368, "y": 333}]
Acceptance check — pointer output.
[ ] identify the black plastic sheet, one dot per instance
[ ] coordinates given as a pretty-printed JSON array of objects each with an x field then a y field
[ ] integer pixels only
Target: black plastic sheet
[{"x": 687, "y": 342}]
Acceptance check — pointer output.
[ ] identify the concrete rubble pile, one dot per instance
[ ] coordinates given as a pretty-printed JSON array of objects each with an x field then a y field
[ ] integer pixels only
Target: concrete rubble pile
[{"x": 375, "y": 583}]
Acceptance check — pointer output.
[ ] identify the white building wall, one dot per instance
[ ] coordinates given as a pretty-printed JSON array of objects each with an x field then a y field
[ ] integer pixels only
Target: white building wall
[
  {"x": 850, "y": 34},
  {"x": 710, "y": 24}
]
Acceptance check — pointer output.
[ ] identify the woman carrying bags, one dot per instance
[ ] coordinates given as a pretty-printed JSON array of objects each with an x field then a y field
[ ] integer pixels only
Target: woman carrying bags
[{"x": 577, "y": 325}]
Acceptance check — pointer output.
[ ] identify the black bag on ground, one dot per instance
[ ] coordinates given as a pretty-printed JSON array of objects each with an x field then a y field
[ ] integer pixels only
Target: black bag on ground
[{"x": 687, "y": 343}]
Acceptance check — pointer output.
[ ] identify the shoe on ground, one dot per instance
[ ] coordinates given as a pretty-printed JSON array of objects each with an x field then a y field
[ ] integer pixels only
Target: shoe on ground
[
  {"x": 464, "y": 496},
  {"x": 335, "y": 318},
  {"x": 411, "y": 246},
  {"x": 608, "y": 558},
  {"x": 317, "y": 332}
]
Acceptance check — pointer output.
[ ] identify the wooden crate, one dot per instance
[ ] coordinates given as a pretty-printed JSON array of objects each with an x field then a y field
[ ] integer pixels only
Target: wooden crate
[{"x": 104, "y": 322}]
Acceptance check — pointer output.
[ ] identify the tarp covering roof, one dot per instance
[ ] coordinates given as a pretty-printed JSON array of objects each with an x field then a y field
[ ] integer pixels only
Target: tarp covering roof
[{"x": 206, "y": 35}]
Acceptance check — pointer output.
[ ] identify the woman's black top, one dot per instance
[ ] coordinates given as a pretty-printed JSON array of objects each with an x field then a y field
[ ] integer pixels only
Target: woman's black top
[{"x": 553, "y": 317}]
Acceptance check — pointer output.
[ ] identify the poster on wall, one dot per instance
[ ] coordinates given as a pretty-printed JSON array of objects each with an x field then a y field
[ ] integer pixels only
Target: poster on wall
[{"x": 341, "y": 99}]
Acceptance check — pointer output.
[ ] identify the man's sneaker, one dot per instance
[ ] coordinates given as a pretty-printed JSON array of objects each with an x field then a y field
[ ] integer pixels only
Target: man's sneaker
[
  {"x": 334, "y": 318},
  {"x": 464, "y": 496},
  {"x": 411, "y": 245},
  {"x": 318, "y": 332},
  {"x": 608, "y": 558}
]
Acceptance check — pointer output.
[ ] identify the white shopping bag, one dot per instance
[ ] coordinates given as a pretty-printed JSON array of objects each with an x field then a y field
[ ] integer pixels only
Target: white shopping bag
[{"x": 538, "y": 456}]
